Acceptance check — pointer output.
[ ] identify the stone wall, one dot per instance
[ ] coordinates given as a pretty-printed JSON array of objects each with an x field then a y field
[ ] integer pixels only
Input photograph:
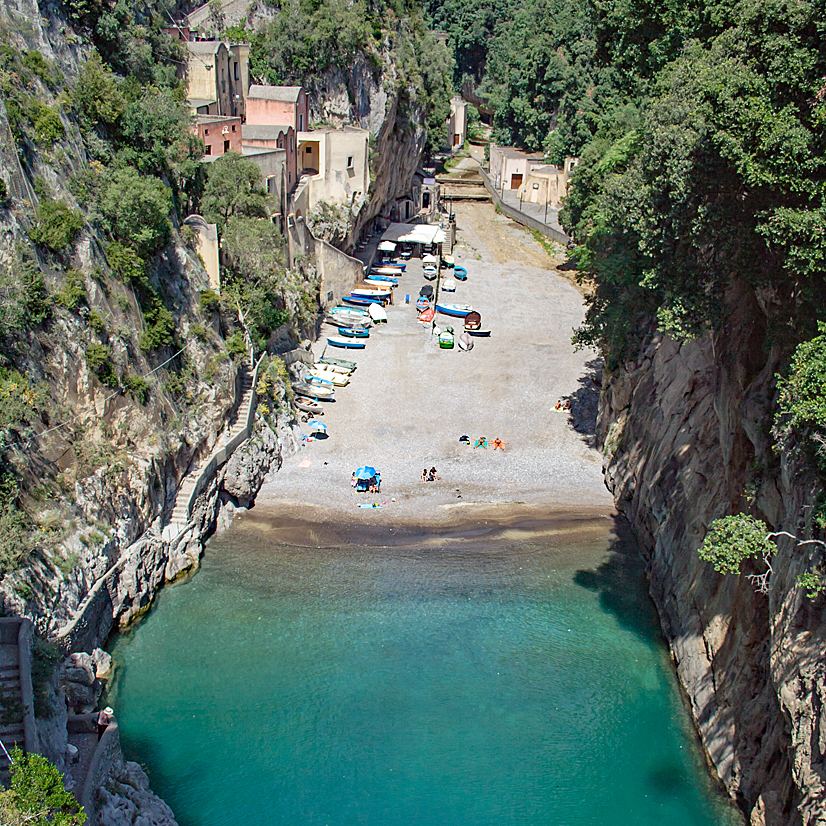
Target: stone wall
[{"x": 683, "y": 430}]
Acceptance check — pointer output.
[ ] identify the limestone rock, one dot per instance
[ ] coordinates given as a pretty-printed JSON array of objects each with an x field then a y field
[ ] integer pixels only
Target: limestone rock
[
  {"x": 103, "y": 663},
  {"x": 127, "y": 800},
  {"x": 80, "y": 684}
]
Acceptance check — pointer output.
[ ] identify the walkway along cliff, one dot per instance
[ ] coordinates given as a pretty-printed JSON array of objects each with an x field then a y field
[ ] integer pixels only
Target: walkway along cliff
[{"x": 683, "y": 433}]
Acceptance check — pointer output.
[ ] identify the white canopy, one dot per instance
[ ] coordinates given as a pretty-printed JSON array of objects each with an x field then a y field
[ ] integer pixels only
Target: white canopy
[
  {"x": 429, "y": 259},
  {"x": 387, "y": 246},
  {"x": 414, "y": 234}
]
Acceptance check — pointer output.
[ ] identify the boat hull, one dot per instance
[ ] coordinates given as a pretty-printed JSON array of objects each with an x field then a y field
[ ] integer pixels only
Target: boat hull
[
  {"x": 308, "y": 405},
  {"x": 343, "y": 363},
  {"x": 346, "y": 343},
  {"x": 460, "y": 273},
  {"x": 362, "y": 300},
  {"x": 354, "y": 332},
  {"x": 313, "y": 391},
  {"x": 453, "y": 310},
  {"x": 479, "y": 333}
]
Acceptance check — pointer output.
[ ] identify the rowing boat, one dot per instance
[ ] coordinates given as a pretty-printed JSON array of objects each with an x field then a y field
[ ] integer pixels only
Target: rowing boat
[
  {"x": 458, "y": 310},
  {"x": 346, "y": 343}
]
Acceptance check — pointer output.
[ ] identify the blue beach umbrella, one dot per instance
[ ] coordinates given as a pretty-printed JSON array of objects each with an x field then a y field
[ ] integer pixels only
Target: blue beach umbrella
[
  {"x": 314, "y": 425},
  {"x": 365, "y": 473}
]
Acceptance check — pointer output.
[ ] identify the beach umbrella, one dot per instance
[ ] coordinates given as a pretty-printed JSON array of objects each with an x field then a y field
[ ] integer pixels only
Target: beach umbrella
[
  {"x": 365, "y": 473},
  {"x": 314, "y": 425}
]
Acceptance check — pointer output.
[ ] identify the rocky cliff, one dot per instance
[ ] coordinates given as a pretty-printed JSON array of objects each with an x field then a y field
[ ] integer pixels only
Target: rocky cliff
[{"x": 685, "y": 438}]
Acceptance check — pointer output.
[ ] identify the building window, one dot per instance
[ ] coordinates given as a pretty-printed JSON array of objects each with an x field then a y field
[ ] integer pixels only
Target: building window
[
  {"x": 289, "y": 177},
  {"x": 235, "y": 69},
  {"x": 206, "y": 133},
  {"x": 292, "y": 145},
  {"x": 301, "y": 122},
  {"x": 309, "y": 150},
  {"x": 226, "y": 146},
  {"x": 349, "y": 161},
  {"x": 280, "y": 144},
  {"x": 208, "y": 150},
  {"x": 233, "y": 127}
]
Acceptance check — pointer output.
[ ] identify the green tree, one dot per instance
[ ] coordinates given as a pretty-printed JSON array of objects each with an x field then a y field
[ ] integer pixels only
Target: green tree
[
  {"x": 97, "y": 96},
  {"x": 233, "y": 187},
  {"x": 137, "y": 207},
  {"x": 37, "y": 795},
  {"x": 57, "y": 225}
]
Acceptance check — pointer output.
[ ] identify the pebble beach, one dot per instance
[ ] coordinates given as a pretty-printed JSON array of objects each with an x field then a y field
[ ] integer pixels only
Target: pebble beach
[{"x": 409, "y": 402}]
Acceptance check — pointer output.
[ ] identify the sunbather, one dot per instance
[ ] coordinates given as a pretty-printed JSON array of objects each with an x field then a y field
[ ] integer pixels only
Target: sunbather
[{"x": 481, "y": 442}]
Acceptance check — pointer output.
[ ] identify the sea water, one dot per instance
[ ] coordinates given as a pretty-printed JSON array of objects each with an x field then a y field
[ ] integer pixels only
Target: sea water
[{"x": 520, "y": 680}]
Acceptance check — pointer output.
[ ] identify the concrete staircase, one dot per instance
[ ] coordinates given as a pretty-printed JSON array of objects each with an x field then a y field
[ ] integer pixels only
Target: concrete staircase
[
  {"x": 12, "y": 731},
  {"x": 180, "y": 512}
]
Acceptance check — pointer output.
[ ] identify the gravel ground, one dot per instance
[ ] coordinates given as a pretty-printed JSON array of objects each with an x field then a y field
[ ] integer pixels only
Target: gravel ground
[{"x": 409, "y": 402}]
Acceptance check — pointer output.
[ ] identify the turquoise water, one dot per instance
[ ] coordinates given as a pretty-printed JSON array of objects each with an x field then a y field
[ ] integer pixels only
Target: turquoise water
[{"x": 521, "y": 681}]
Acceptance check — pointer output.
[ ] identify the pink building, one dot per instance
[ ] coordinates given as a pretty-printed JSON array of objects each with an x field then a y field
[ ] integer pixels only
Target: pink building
[
  {"x": 220, "y": 135},
  {"x": 278, "y": 106},
  {"x": 275, "y": 137}
]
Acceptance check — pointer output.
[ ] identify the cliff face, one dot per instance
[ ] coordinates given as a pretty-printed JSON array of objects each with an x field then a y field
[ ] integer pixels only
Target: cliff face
[{"x": 685, "y": 438}]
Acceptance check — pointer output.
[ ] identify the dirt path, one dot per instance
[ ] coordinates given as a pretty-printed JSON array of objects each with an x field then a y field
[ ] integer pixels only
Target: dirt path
[{"x": 409, "y": 402}]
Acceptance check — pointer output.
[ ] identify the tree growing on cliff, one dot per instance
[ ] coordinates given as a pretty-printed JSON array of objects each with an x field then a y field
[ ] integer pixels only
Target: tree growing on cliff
[
  {"x": 735, "y": 538},
  {"x": 37, "y": 796},
  {"x": 233, "y": 187}
]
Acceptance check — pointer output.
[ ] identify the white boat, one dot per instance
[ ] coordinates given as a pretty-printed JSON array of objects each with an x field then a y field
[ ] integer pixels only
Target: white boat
[
  {"x": 371, "y": 292},
  {"x": 430, "y": 272},
  {"x": 378, "y": 283},
  {"x": 449, "y": 285},
  {"x": 377, "y": 313},
  {"x": 458, "y": 310},
  {"x": 464, "y": 341},
  {"x": 314, "y": 390},
  {"x": 338, "y": 379},
  {"x": 351, "y": 315},
  {"x": 323, "y": 364}
]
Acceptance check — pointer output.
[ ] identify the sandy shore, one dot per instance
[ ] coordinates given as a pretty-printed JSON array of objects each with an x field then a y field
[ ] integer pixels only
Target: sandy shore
[{"x": 409, "y": 402}]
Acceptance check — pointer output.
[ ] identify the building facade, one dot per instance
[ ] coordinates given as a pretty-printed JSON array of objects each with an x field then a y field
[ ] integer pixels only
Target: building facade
[
  {"x": 278, "y": 106},
  {"x": 275, "y": 137},
  {"x": 509, "y": 167},
  {"x": 220, "y": 135},
  {"x": 457, "y": 124},
  {"x": 217, "y": 77},
  {"x": 336, "y": 162}
]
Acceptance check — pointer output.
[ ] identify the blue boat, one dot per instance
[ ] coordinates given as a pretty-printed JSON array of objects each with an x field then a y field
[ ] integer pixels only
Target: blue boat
[
  {"x": 458, "y": 310},
  {"x": 349, "y": 310},
  {"x": 347, "y": 343},
  {"x": 460, "y": 273},
  {"x": 354, "y": 332},
  {"x": 385, "y": 279},
  {"x": 362, "y": 300}
]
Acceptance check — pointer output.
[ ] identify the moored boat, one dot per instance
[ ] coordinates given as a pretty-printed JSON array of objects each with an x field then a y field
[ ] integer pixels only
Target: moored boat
[
  {"x": 464, "y": 341},
  {"x": 307, "y": 405},
  {"x": 449, "y": 285},
  {"x": 362, "y": 300},
  {"x": 479, "y": 333},
  {"x": 460, "y": 273},
  {"x": 446, "y": 340},
  {"x": 337, "y": 379},
  {"x": 341, "y": 308},
  {"x": 422, "y": 303},
  {"x": 346, "y": 343},
  {"x": 430, "y": 272},
  {"x": 457, "y": 310},
  {"x": 428, "y": 315},
  {"x": 344, "y": 363},
  {"x": 381, "y": 280},
  {"x": 377, "y": 313},
  {"x": 372, "y": 292},
  {"x": 313, "y": 391}
]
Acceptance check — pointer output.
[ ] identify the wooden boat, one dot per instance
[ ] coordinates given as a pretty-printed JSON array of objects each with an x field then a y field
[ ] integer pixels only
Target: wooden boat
[
  {"x": 372, "y": 292},
  {"x": 457, "y": 310},
  {"x": 377, "y": 313},
  {"x": 428, "y": 315},
  {"x": 397, "y": 264},
  {"x": 430, "y": 272},
  {"x": 334, "y": 368},
  {"x": 464, "y": 341},
  {"x": 313, "y": 391},
  {"x": 384, "y": 269},
  {"x": 479, "y": 333},
  {"x": 362, "y": 300},
  {"x": 343, "y": 363},
  {"x": 449, "y": 285},
  {"x": 353, "y": 311},
  {"x": 473, "y": 321},
  {"x": 346, "y": 343},
  {"x": 381, "y": 280},
  {"x": 460, "y": 273},
  {"x": 343, "y": 321},
  {"x": 446, "y": 340},
  {"x": 422, "y": 303},
  {"x": 354, "y": 332},
  {"x": 308, "y": 405},
  {"x": 328, "y": 377}
]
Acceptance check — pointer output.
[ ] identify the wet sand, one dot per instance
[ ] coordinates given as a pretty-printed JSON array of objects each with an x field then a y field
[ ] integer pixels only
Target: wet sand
[{"x": 408, "y": 403}]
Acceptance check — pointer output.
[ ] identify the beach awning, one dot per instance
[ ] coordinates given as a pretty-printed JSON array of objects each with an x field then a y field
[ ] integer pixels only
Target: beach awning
[
  {"x": 414, "y": 234},
  {"x": 387, "y": 246},
  {"x": 429, "y": 259}
]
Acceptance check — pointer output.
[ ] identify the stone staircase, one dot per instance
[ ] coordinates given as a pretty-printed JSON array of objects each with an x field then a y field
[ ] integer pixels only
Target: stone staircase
[
  {"x": 180, "y": 512},
  {"x": 12, "y": 699}
]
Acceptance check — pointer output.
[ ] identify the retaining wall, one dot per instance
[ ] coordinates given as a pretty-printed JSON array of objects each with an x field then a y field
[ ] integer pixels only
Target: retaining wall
[
  {"x": 106, "y": 761},
  {"x": 521, "y": 217}
]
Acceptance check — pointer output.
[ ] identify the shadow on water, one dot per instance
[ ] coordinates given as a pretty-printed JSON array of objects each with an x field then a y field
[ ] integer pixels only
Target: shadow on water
[
  {"x": 622, "y": 586},
  {"x": 584, "y": 402}
]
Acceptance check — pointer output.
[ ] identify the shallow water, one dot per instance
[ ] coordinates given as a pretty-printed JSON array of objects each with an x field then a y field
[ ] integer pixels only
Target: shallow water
[{"x": 518, "y": 681}]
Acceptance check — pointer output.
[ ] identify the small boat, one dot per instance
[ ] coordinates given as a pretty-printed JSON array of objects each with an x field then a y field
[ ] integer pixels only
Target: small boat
[
  {"x": 340, "y": 308},
  {"x": 313, "y": 391},
  {"x": 377, "y": 313},
  {"x": 460, "y": 273},
  {"x": 308, "y": 405},
  {"x": 328, "y": 377},
  {"x": 344, "y": 363},
  {"x": 422, "y": 303},
  {"x": 449, "y": 285},
  {"x": 381, "y": 280},
  {"x": 347, "y": 343},
  {"x": 344, "y": 321},
  {"x": 428, "y": 315},
  {"x": 396, "y": 264},
  {"x": 446, "y": 340},
  {"x": 384, "y": 269},
  {"x": 464, "y": 341},
  {"x": 362, "y": 300},
  {"x": 406, "y": 254},
  {"x": 331, "y": 368},
  {"x": 354, "y": 332},
  {"x": 473, "y": 321},
  {"x": 372, "y": 292},
  {"x": 479, "y": 333},
  {"x": 430, "y": 272},
  {"x": 458, "y": 310}
]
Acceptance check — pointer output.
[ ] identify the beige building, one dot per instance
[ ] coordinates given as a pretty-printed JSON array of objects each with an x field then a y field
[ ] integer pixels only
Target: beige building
[
  {"x": 335, "y": 162},
  {"x": 509, "y": 167},
  {"x": 457, "y": 124},
  {"x": 547, "y": 184},
  {"x": 217, "y": 77}
]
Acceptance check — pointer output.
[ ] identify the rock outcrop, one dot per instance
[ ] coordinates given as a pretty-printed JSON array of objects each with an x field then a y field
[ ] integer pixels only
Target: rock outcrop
[{"x": 685, "y": 440}]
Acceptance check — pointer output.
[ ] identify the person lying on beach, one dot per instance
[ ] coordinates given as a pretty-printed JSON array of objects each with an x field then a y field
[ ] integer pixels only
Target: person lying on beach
[
  {"x": 481, "y": 442},
  {"x": 499, "y": 443}
]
